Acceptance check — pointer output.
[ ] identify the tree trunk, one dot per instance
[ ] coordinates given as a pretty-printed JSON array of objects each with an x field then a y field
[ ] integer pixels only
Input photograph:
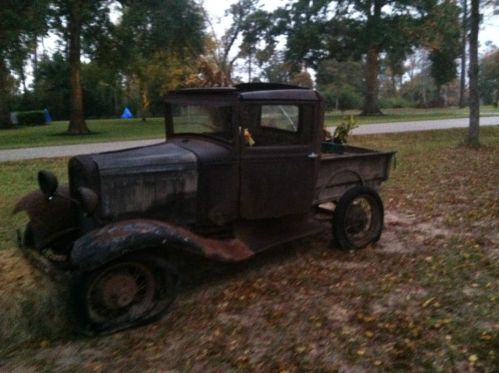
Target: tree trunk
[
  {"x": 463, "y": 54},
  {"x": 474, "y": 128},
  {"x": 372, "y": 69},
  {"x": 77, "y": 124},
  {"x": 4, "y": 96},
  {"x": 144, "y": 102},
  {"x": 372, "y": 62}
]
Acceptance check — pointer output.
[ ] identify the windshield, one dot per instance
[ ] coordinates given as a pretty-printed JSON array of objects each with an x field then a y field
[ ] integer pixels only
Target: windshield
[{"x": 206, "y": 120}]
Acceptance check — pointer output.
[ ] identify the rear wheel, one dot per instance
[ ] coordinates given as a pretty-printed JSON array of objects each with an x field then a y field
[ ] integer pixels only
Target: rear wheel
[
  {"x": 358, "y": 218},
  {"x": 125, "y": 293}
]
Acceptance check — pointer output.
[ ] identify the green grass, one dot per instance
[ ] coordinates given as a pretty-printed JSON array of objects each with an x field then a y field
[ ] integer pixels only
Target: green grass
[
  {"x": 17, "y": 179},
  {"x": 406, "y": 115},
  {"x": 102, "y": 130},
  {"x": 106, "y": 130}
]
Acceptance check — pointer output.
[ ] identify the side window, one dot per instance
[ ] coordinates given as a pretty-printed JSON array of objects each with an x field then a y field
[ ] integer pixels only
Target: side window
[
  {"x": 280, "y": 117},
  {"x": 278, "y": 124}
]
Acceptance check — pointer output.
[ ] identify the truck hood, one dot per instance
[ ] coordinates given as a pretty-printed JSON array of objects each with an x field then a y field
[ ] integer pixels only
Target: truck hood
[
  {"x": 155, "y": 158},
  {"x": 155, "y": 180}
]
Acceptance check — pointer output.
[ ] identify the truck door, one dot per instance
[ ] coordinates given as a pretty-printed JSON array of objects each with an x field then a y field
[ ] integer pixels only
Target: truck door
[{"x": 279, "y": 163}]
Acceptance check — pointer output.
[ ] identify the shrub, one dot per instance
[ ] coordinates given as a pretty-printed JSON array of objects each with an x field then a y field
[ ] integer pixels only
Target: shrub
[
  {"x": 329, "y": 100},
  {"x": 395, "y": 102},
  {"x": 349, "y": 99},
  {"x": 30, "y": 118}
]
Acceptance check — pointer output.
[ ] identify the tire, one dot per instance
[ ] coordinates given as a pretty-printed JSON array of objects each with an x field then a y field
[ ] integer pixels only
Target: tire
[
  {"x": 123, "y": 294},
  {"x": 358, "y": 218}
]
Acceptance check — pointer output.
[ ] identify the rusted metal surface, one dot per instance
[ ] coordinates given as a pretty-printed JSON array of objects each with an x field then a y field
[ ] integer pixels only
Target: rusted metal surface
[
  {"x": 114, "y": 240},
  {"x": 155, "y": 181},
  {"x": 356, "y": 166},
  {"x": 262, "y": 234},
  {"x": 49, "y": 219},
  {"x": 218, "y": 181}
]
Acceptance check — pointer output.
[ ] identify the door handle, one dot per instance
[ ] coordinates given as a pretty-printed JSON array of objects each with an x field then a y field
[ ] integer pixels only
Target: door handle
[{"x": 313, "y": 155}]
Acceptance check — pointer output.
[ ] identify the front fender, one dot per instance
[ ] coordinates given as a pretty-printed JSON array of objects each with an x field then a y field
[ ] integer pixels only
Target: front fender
[
  {"x": 49, "y": 220},
  {"x": 117, "y": 239}
]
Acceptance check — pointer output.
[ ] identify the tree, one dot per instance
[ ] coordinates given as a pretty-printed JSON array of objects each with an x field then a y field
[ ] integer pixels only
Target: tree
[
  {"x": 165, "y": 32},
  {"x": 20, "y": 20},
  {"x": 489, "y": 78},
  {"x": 464, "y": 32},
  {"x": 51, "y": 85},
  {"x": 338, "y": 80},
  {"x": 77, "y": 21},
  {"x": 472, "y": 139},
  {"x": 276, "y": 69},
  {"x": 354, "y": 29},
  {"x": 443, "y": 43}
]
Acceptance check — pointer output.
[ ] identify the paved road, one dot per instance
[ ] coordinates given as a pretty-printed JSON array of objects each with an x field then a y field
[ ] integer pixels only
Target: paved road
[
  {"x": 69, "y": 150},
  {"x": 426, "y": 125}
]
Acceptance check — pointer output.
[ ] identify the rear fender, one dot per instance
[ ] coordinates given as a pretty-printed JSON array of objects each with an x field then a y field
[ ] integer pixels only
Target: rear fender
[{"x": 115, "y": 240}]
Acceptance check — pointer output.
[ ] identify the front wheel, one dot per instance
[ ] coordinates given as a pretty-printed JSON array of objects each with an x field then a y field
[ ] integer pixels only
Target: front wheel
[
  {"x": 358, "y": 218},
  {"x": 124, "y": 293}
]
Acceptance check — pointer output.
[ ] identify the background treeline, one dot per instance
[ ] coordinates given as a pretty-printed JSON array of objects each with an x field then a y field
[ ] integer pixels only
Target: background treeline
[{"x": 367, "y": 55}]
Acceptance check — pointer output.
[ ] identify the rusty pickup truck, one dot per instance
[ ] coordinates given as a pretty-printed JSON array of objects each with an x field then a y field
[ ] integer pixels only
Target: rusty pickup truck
[{"x": 241, "y": 171}]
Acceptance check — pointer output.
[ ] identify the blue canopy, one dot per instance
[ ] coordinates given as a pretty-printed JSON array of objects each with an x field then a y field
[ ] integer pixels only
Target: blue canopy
[
  {"x": 127, "y": 114},
  {"x": 47, "y": 116}
]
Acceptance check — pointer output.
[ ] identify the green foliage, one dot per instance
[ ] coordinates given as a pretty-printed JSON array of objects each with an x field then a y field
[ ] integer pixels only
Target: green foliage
[
  {"x": 152, "y": 40},
  {"x": 51, "y": 86},
  {"x": 443, "y": 42},
  {"x": 30, "y": 118},
  {"x": 489, "y": 78},
  {"x": 349, "y": 99},
  {"x": 21, "y": 21},
  {"x": 342, "y": 131},
  {"x": 396, "y": 102},
  {"x": 333, "y": 75}
]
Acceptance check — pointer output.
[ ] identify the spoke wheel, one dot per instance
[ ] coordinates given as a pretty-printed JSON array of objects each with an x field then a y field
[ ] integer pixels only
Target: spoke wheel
[
  {"x": 124, "y": 291},
  {"x": 124, "y": 294},
  {"x": 358, "y": 218}
]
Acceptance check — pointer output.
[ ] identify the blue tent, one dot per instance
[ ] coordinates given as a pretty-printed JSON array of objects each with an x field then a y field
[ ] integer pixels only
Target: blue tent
[
  {"x": 127, "y": 114},
  {"x": 47, "y": 116}
]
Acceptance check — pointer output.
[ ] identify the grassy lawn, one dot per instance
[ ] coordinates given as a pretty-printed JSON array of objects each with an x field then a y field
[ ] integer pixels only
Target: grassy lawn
[
  {"x": 102, "y": 130},
  {"x": 423, "y": 299},
  {"x": 105, "y": 130},
  {"x": 407, "y": 115}
]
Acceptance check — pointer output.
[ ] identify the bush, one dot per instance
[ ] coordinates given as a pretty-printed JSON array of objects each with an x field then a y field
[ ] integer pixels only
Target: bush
[
  {"x": 30, "y": 118},
  {"x": 394, "y": 103},
  {"x": 349, "y": 99},
  {"x": 329, "y": 100}
]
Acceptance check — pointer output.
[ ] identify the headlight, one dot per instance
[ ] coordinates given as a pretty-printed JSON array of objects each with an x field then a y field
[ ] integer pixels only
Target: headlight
[
  {"x": 48, "y": 183},
  {"x": 88, "y": 199}
]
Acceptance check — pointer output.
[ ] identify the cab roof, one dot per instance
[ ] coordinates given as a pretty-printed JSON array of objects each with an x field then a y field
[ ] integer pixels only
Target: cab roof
[{"x": 250, "y": 91}]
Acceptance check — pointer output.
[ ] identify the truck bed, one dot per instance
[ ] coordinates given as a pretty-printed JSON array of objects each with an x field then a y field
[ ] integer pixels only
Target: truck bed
[{"x": 356, "y": 166}]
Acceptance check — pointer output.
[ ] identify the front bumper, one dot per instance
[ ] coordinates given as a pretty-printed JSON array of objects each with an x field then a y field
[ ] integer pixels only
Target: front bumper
[{"x": 57, "y": 270}]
